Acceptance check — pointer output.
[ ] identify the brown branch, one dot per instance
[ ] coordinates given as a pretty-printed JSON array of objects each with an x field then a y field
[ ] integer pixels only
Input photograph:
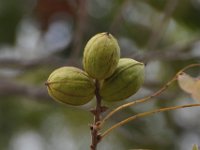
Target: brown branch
[{"x": 96, "y": 137}]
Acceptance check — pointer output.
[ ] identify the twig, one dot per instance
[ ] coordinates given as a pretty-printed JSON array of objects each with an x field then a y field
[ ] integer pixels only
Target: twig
[
  {"x": 148, "y": 97},
  {"x": 96, "y": 137},
  {"x": 144, "y": 114}
]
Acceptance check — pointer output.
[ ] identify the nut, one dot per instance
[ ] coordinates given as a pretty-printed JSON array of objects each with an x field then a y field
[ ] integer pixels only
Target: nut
[
  {"x": 101, "y": 56},
  {"x": 70, "y": 85},
  {"x": 124, "y": 82}
]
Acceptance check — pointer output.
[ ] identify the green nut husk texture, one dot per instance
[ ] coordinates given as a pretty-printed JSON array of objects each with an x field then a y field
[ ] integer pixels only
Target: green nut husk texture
[
  {"x": 124, "y": 82},
  {"x": 101, "y": 56},
  {"x": 70, "y": 85}
]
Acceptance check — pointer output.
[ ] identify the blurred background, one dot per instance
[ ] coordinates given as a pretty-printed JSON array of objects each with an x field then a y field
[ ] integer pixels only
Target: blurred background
[{"x": 38, "y": 36}]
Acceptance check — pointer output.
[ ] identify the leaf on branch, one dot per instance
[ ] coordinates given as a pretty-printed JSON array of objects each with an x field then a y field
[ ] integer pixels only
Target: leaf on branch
[
  {"x": 186, "y": 82},
  {"x": 190, "y": 85}
]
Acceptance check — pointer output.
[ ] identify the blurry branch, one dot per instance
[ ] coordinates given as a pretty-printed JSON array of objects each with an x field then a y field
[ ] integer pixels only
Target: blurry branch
[
  {"x": 168, "y": 54},
  {"x": 115, "y": 25},
  {"x": 165, "y": 56},
  {"x": 11, "y": 88},
  {"x": 174, "y": 52},
  {"x": 80, "y": 28},
  {"x": 26, "y": 64},
  {"x": 8, "y": 88},
  {"x": 184, "y": 47},
  {"x": 158, "y": 31}
]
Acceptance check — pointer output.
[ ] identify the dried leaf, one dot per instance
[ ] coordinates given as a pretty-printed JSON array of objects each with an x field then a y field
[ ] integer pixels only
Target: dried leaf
[
  {"x": 190, "y": 85},
  {"x": 196, "y": 92},
  {"x": 186, "y": 82}
]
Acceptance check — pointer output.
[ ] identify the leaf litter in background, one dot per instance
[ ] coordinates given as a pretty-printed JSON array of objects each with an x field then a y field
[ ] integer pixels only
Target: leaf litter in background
[{"x": 190, "y": 85}]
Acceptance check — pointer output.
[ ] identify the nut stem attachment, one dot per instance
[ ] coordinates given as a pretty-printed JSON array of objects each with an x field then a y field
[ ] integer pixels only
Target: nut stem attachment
[{"x": 96, "y": 137}]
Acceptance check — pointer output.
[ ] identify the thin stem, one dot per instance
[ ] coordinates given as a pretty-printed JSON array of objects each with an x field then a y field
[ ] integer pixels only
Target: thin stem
[
  {"x": 144, "y": 114},
  {"x": 145, "y": 99},
  {"x": 97, "y": 117}
]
